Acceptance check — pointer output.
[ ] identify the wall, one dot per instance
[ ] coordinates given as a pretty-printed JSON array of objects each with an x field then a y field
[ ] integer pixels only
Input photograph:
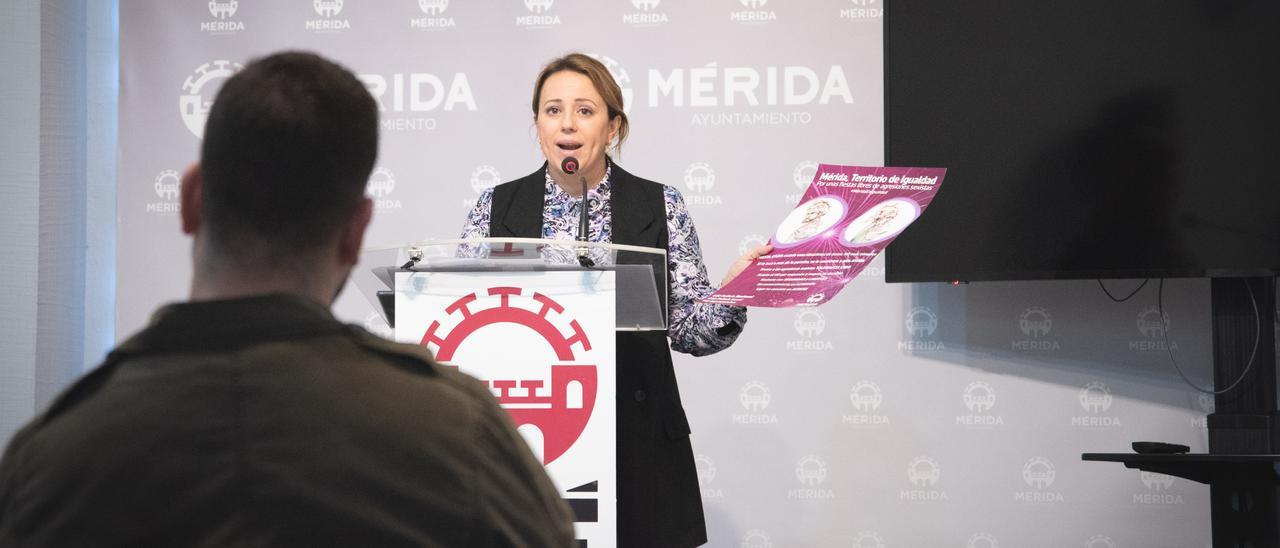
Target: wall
[{"x": 57, "y": 175}]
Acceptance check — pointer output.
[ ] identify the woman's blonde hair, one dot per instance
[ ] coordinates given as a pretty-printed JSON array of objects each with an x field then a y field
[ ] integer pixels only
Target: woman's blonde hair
[{"x": 600, "y": 78}]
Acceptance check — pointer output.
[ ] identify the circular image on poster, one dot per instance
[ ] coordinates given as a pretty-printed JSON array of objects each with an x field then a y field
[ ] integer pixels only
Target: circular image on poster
[
  {"x": 809, "y": 220},
  {"x": 881, "y": 222}
]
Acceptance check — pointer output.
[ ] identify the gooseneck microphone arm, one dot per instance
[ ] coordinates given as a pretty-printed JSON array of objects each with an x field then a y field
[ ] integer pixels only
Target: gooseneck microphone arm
[
  {"x": 570, "y": 166},
  {"x": 584, "y": 229}
]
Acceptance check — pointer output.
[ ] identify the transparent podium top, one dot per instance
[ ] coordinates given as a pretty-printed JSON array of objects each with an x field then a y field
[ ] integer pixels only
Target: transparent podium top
[{"x": 640, "y": 272}]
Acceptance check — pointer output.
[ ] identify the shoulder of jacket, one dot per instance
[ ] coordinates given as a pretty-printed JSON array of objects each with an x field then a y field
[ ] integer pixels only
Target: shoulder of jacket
[
  {"x": 537, "y": 177},
  {"x": 397, "y": 351},
  {"x": 423, "y": 362},
  {"x": 651, "y": 192},
  {"x": 83, "y": 388},
  {"x": 629, "y": 178}
]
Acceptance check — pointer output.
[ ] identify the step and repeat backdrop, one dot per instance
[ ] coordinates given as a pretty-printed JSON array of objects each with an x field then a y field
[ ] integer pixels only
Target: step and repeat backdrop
[{"x": 895, "y": 415}]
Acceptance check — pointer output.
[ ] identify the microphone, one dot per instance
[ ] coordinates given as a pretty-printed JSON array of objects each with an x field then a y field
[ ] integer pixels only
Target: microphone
[{"x": 569, "y": 165}]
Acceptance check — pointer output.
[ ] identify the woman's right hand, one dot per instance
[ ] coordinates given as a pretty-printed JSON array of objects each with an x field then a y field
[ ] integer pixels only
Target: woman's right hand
[{"x": 744, "y": 261}]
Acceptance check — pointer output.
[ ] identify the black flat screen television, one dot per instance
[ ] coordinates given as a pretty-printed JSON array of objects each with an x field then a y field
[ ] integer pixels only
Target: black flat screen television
[{"x": 1116, "y": 139}]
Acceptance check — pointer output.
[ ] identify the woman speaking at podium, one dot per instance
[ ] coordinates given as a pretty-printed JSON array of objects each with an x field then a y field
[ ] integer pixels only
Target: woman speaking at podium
[{"x": 577, "y": 108}]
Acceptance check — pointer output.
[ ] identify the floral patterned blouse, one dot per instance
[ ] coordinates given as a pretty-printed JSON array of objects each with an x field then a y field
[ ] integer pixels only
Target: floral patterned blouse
[{"x": 693, "y": 327}]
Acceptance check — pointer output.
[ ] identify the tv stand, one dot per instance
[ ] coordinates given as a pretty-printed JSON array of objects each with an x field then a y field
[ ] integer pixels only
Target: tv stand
[{"x": 1241, "y": 467}]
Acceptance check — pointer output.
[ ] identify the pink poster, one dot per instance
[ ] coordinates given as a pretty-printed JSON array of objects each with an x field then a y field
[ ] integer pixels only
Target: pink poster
[{"x": 847, "y": 215}]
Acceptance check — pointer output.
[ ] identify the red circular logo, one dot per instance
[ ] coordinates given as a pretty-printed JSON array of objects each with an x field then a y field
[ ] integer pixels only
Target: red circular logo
[{"x": 560, "y": 411}]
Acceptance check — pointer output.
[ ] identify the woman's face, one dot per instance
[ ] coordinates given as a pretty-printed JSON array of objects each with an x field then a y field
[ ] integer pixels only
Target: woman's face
[{"x": 573, "y": 120}]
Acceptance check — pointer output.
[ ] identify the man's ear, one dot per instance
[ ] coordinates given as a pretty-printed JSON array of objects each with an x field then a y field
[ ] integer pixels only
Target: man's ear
[
  {"x": 192, "y": 206},
  {"x": 352, "y": 237}
]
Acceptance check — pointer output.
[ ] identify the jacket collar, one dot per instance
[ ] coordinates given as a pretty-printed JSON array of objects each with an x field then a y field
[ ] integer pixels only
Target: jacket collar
[{"x": 231, "y": 323}]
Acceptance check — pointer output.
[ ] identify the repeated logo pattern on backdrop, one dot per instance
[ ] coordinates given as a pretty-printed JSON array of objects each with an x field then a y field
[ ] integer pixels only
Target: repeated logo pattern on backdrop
[
  {"x": 327, "y": 19},
  {"x": 647, "y": 13},
  {"x": 979, "y": 402},
  {"x": 199, "y": 89},
  {"x": 222, "y": 18},
  {"x": 822, "y": 426},
  {"x": 381, "y": 186},
  {"x": 866, "y": 398},
  {"x": 168, "y": 186},
  {"x": 434, "y": 16}
]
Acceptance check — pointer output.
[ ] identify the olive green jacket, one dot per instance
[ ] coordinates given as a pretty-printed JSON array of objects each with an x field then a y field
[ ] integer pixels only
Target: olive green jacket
[{"x": 266, "y": 422}]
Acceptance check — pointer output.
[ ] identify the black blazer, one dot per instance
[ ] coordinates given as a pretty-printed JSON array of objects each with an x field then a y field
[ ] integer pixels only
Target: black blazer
[{"x": 659, "y": 503}]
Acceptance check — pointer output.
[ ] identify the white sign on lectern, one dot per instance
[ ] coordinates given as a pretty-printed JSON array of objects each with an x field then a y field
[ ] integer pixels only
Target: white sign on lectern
[{"x": 536, "y": 320}]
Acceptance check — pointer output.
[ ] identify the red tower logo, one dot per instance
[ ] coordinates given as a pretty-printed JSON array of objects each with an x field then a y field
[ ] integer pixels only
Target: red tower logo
[{"x": 560, "y": 412}]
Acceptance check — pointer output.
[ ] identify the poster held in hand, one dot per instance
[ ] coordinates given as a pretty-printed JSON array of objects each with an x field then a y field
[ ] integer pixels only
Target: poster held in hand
[{"x": 844, "y": 219}]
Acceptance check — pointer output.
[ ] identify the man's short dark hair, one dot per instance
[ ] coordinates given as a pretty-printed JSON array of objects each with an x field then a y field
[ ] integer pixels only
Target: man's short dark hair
[{"x": 288, "y": 148}]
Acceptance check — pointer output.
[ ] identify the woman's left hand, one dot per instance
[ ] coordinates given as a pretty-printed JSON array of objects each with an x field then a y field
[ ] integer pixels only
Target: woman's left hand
[{"x": 744, "y": 261}]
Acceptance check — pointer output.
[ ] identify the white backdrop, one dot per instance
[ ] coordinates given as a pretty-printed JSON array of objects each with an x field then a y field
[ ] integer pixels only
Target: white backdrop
[{"x": 896, "y": 415}]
